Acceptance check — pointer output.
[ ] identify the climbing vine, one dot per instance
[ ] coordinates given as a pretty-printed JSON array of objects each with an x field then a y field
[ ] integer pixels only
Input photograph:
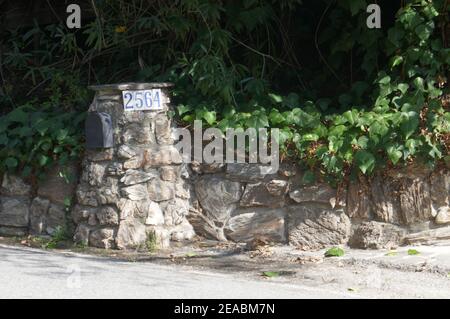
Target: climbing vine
[{"x": 347, "y": 99}]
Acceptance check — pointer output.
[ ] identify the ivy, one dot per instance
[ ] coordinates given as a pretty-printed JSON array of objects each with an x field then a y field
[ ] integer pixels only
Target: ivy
[
  {"x": 32, "y": 139},
  {"x": 347, "y": 99}
]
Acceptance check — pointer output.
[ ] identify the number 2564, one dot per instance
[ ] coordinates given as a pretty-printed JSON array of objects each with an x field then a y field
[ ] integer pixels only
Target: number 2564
[{"x": 142, "y": 100}]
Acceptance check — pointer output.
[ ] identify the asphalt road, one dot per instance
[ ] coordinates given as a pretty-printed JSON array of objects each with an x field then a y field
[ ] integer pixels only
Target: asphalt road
[{"x": 31, "y": 273}]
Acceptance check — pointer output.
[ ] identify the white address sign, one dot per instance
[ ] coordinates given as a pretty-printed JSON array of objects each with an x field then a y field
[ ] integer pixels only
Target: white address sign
[{"x": 140, "y": 100}]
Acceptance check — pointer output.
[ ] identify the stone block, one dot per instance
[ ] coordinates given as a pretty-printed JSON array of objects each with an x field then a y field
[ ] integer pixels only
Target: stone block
[
  {"x": 13, "y": 231},
  {"x": 163, "y": 130},
  {"x": 56, "y": 218},
  {"x": 376, "y": 235},
  {"x": 182, "y": 232},
  {"x": 169, "y": 173},
  {"x": 81, "y": 235},
  {"x": 320, "y": 193},
  {"x": 136, "y": 192},
  {"x": 218, "y": 196},
  {"x": 314, "y": 226},
  {"x": 14, "y": 211},
  {"x": 38, "y": 215},
  {"x": 159, "y": 190},
  {"x": 138, "y": 133},
  {"x": 174, "y": 210},
  {"x": 107, "y": 216},
  {"x": 131, "y": 234},
  {"x": 102, "y": 238},
  {"x": 14, "y": 186},
  {"x": 271, "y": 194},
  {"x": 162, "y": 156},
  {"x": 249, "y": 223},
  {"x": 132, "y": 177},
  {"x": 246, "y": 172},
  {"x": 56, "y": 187}
]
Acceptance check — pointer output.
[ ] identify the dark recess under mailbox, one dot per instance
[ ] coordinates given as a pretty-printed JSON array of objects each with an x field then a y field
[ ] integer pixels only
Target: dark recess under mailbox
[{"x": 99, "y": 130}]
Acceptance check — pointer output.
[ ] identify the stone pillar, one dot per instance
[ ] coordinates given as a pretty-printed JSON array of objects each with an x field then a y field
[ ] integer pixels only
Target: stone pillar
[{"x": 132, "y": 189}]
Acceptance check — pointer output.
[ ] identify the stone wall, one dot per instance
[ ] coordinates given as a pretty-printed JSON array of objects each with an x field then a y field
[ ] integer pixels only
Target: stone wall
[
  {"x": 135, "y": 189},
  {"x": 239, "y": 202},
  {"x": 14, "y": 206},
  {"x": 36, "y": 209},
  {"x": 236, "y": 202},
  {"x": 139, "y": 190}
]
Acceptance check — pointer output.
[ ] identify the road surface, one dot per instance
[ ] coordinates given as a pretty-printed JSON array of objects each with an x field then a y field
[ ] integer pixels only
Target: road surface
[{"x": 32, "y": 273}]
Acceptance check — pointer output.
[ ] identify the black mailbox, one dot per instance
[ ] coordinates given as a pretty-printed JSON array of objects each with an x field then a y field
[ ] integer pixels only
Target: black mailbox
[{"x": 99, "y": 130}]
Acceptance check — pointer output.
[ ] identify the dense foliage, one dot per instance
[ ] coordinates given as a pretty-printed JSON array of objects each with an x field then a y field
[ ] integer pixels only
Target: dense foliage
[{"x": 346, "y": 98}]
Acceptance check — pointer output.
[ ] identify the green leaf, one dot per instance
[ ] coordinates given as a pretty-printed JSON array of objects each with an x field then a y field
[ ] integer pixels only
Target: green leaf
[
  {"x": 397, "y": 60},
  {"x": 275, "y": 117},
  {"x": 209, "y": 117},
  {"x": 419, "y": 83},
  {"x": 309, "y": 177},
  {"x": 42, "y": 127},
  {"x": 43, "y": 160},
  {"x": 26, "y": 171},
  {"x": 434, "y": 151},
  {"x": 25, "y": 131},
  {"x": 365, "y": 161},
  {"x": 345, "y": 100},
  {"x": 430, "y": 11},
  {"x": 323, "y": 103},
  {"x": 410, "y": 123},
  {"x": 46, "y": 147},
  {"x": 363, "y": 142},
  {"x": 412, "y": 145},
  {"x": 11, "y": 162},
  {"x": 424, "y": 31},
  {"x": 337, "y": 131},
  {"x": 378, "y": 130},
  {"x": 188, "y": 118},
  {"x": 334, "y": 252},
  {"x": 359, "y": 87},
  {"x": 403, "y": 87},
  {"x": 395, "y": 35},
  {"x": 357, "y": 6},
  {"x": 385, "y": 80},
  {"x": 276, "y": 98},
  {"x": 270, "y": 274},
  {"x": 182, "y": 109},
  {"x": 18, "y": 115},
  {"x": 391, "y": 253},
  {"x": 3, "y": 139},
  {"x": 57, "y": 149},
  {"x": 67, "y": 201},
  {"x": 413, "y": 252},
  {"x": 351, "y": 116},
  {"x": 258, "y": 119},
  {"x": 291, "y": 101},
  {"x": 310, "y": 137},
  {"x": 394, "y": 154}
]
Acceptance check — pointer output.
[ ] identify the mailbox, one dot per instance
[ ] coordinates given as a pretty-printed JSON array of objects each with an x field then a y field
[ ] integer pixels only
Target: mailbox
[{"x": 99, "y": 130}]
